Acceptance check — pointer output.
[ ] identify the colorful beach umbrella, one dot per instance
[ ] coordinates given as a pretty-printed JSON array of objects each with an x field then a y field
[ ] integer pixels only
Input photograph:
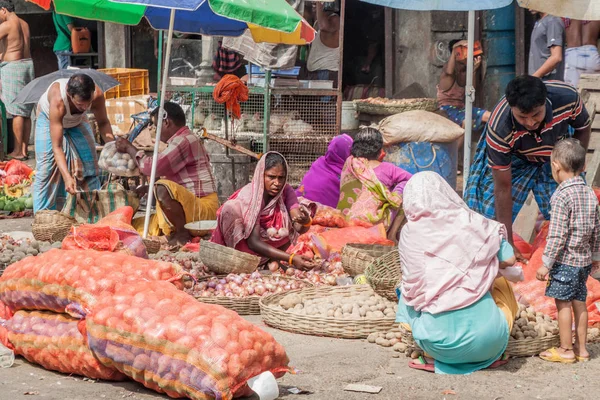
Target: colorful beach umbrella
[{"x": 272, "y": 21}]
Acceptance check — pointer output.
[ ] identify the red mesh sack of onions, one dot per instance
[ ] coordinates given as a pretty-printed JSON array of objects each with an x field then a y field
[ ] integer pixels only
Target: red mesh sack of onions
[
  {"x": 329, "y": 217},
  {"x": 5, "y": 312},
  {"x": 244, "y": 285},
  {"x": 54, "y": 341},
  {"x": 174, "y": 344},
  {"x": 71, "y": 280}
]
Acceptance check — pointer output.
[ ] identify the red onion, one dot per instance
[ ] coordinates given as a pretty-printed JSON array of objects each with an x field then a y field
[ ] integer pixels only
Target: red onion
[
  {"x": 259, "y": 290},
  {"x": 290, "y": 271},
  {"x": 250, "y": 290},
  {"x": 273, "y": 266},
  {"x": 330, "y": 279},
  {"x": 255, "y": 275},
  {"x": 222, "y": 281},
  {"x": 212, "y": 284},
  {"x": 220, "y": 287}
]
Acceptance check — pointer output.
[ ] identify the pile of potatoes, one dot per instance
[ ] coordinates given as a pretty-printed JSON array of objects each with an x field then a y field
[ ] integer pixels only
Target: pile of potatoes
[
  {"x": 120, "y": 164},
  {"x": 12, "y": 251},
  {"x": 532, "y": 325},
  {"x": 336, "y": 306},
  {"x": 394, "y": 340}
]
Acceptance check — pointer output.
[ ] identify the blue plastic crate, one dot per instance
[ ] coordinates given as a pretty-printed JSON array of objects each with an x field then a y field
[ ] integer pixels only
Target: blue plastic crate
[{"x": 256, "y": 70}]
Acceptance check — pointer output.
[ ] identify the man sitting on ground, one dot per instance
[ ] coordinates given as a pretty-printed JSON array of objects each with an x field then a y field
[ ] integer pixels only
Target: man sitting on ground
[{"x": 186, "y": 191}]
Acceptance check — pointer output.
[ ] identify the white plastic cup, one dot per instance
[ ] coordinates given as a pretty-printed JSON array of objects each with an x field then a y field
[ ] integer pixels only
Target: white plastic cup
[
  {"x": 7, "y": 357},
  {"x": 265, "y": 386}
]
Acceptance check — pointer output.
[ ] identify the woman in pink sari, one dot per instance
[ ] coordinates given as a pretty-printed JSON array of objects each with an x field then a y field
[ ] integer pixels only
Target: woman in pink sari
[{"x": 264, "y": 217}]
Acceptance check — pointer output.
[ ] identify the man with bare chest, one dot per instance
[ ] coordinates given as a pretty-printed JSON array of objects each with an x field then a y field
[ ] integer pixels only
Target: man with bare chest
[
  {"x": 16, "y": 71},
  {"x": 324, "y": 56},
  {"x": 581, "y": 56}
]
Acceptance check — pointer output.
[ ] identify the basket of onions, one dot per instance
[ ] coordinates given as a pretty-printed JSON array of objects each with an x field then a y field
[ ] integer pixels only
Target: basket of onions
[{"x": 241, "y": 292}]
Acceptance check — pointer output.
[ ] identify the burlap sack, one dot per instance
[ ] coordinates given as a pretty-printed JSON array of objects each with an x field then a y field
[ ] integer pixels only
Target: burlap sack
[
  {"x": 90, "y": 207},
  {"x": 419, "y": 126},
  {"x": 147, "y": 138}
]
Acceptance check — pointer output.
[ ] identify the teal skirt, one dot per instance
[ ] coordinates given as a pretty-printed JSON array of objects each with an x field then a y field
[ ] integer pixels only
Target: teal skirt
[{"x": 461, "y": 341}]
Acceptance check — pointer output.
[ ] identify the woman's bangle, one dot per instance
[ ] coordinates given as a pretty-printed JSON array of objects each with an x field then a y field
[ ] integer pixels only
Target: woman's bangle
[
  {"x": 308, "y": 225},
  {"x": 291, "y": 260}
]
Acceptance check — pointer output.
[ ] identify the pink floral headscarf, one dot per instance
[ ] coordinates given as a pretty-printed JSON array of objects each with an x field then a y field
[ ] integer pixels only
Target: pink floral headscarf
[
  {"x": 239, "y": 215},
  {"x": 448, "y": 252}
]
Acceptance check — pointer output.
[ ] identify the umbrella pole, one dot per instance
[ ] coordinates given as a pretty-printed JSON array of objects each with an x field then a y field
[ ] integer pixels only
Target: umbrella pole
[
  {"x": 267, "y": 110},
  {"x": 470, "y": 97},
  {"x": 161, "y": 111},
  {"x": 160, "y": 57}
]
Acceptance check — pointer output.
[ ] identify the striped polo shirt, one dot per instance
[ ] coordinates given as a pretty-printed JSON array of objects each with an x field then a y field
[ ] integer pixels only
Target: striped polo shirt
[{"x": 505, "y": 137}]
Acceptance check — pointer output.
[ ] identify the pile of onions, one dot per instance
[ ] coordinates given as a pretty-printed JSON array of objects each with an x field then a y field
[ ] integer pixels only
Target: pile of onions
[
  {"x": 326, "y": 274},
  {"x": 190, "y": 262},
  {"x": 244, "y": 285}
]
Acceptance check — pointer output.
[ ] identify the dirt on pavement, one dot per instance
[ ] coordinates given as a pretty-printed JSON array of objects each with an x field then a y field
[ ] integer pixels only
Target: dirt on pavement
[{"x": 325, "y": 366}]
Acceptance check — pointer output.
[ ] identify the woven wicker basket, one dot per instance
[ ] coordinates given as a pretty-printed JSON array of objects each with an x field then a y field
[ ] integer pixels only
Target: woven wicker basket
[
  {"x": 356, "y": 257},
  {"x": 47, "y": 223},
  {"x": 343, "y": 328},
  {"x": 59, "y": 236},
  {"x": 407, "y": 338},
  {"x": 224, "y": 260},
  {"x": 152, "y": 245},
  {"x": 241, "y": 305},
  {"x": 531, "y": 347},
  {"x": 384, "y": 274},
  {"x": 515, "y": 348},
  {"x": 396, "y": 106}
]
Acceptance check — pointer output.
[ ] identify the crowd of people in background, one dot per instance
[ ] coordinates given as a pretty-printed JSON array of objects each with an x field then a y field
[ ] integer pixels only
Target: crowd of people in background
[{"x": 560, "y": 49}]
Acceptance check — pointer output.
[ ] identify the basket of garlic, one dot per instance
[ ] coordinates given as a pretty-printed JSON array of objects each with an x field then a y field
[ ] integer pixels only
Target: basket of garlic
[
  {"x": 120, "y": 164},
  {"x": 532, "y": 333}
]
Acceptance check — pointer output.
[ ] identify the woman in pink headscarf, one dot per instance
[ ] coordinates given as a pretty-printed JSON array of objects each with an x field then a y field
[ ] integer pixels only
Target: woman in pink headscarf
[
  {"x": 459, "y": 311},
  {"x": 264, "y": 217}
]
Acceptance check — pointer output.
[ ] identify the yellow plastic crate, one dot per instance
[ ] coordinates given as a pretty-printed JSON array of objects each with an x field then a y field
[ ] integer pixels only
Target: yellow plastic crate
[{"x": 133, "y": 82}]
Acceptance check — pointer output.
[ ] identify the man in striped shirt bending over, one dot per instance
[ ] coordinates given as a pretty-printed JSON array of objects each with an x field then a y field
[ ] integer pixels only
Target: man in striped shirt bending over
[{"x": 513, "y": 154}]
